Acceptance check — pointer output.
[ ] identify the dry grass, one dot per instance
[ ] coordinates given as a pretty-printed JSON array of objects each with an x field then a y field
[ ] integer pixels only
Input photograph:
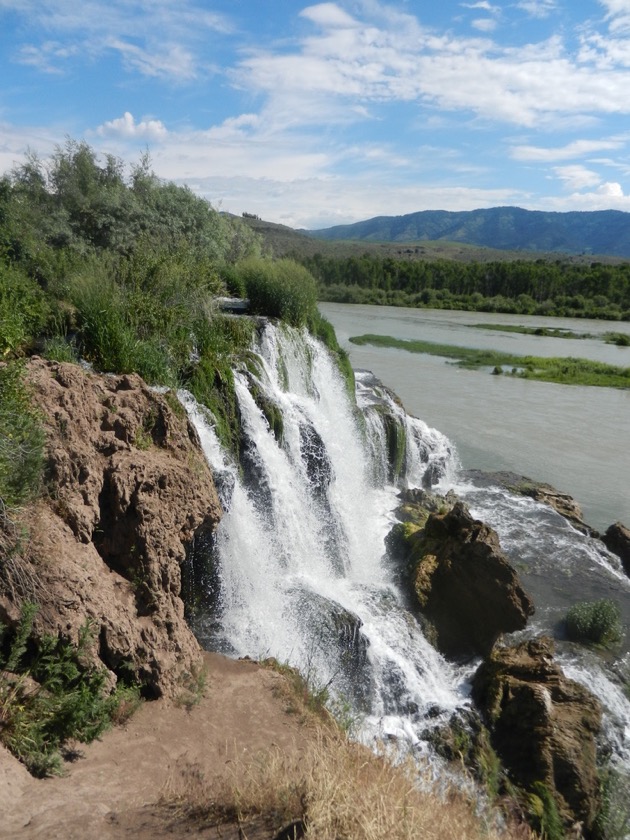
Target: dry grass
[
  {"x": 18, "y": 578},
  {"x": 335, "y": 790}
]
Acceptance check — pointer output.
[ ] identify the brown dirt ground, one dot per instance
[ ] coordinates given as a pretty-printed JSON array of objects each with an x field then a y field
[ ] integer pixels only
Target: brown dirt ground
[{"x": 118, "y": 786}]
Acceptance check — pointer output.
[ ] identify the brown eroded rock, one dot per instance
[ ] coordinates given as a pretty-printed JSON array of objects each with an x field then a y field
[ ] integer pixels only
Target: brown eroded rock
[
  {"x": 543, "y": 726},
  {"x": 617, "y": 540},
  {"x": 462, "y": 580},
  {"x": 128, "y": 488}
]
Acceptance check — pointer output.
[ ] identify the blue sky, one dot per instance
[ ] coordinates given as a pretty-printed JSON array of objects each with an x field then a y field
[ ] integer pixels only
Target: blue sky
[{"x": 327, "y": 113}]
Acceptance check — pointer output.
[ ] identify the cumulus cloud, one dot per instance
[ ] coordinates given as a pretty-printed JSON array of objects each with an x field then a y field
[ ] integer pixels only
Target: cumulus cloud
[
  {"x": 611, "y": 189},
  {"x": 127, "y": 127}
]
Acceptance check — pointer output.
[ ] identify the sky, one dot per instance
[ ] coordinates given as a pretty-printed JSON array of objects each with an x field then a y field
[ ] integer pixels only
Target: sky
[{"x": 313, "y": 115}]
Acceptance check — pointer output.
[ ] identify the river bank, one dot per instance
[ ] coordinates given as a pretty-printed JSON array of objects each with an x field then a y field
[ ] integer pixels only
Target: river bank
[{"x": 571, "y": 437}]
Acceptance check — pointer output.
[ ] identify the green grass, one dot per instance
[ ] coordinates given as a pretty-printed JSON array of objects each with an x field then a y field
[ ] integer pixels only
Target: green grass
[
  {"x": 21, "y": 438},
  {"x": 618, "y": 338},
  {"x": 595, "y": 622},
  {"x": 546, "y": 332},
  {"x": 563, "y": 371}
]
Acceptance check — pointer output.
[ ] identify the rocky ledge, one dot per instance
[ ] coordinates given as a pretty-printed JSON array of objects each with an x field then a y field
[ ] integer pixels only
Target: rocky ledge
[
  {"x": 543, "y": 726},
  {"x": 107, "y": 540},
  {"x": 461, "y": 579}
]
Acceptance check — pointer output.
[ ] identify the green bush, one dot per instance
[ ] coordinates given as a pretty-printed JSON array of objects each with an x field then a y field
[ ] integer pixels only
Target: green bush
[
  {"x": 68, "y": 699},
  {"x": 21, "y": 438},
  {"x": 283, "y": 289},
  {"x": 597, "y": 622},
  {"x": 23, "y": 310}
]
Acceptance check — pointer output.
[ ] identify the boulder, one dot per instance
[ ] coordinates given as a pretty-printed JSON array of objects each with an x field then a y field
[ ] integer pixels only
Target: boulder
[
  {"x": 543, "y": 726},
  {"x": 128, "y": 489},
  {"x": 462, "y": 580},
  {"x": 617, "y": 540}
]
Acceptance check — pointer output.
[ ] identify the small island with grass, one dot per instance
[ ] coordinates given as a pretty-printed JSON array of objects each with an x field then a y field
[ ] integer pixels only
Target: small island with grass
[{"x": 561, "y": 370}]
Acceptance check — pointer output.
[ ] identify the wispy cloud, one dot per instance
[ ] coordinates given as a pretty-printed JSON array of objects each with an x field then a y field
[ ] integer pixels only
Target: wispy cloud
[
  {"x": 371, "y": 62},
  {"x": 577, "y": 177},
  {"x": 574, "y": 149},
  {"x": 537, "y": 8},
  {"x": 164, "y": 38}
]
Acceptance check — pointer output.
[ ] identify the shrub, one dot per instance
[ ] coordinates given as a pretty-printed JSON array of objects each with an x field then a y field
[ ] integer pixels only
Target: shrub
[
  {"x": 283, "y": 289},
  {"x": 23, "y": 310},
  {"x": 49, "y": 695},
  {"x": 597, "y": 622}
]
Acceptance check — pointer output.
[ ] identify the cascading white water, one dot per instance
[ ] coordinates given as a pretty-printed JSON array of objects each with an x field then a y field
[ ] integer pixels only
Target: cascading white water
[
  {"x": 560, "y": 566},
  {"x": 300, "y": 547}
]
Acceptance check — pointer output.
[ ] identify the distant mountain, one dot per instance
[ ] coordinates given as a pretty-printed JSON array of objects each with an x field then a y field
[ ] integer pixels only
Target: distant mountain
[{"x": 505, "y": 228}]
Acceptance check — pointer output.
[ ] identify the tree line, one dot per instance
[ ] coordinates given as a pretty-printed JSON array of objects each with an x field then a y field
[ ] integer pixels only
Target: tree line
[{"x": 532, "y": 287}]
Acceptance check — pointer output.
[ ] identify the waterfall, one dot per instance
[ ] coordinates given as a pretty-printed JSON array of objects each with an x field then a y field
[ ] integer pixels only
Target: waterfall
[
  {"x": 300, "y": 553},
  {"x": 300, "y": 549}
]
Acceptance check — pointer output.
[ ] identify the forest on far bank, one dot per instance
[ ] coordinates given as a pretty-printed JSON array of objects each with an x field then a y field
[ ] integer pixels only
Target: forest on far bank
[{"x": 559, "y": 287}]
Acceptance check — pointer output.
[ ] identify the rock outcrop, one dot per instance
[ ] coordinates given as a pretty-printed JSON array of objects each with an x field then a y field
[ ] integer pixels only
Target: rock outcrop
[
  {"x": 617, "y": 540},
  {"x": 543, "y": 726},
  {"x": 127, "y": 489},
  {"x": 462, "y": 580}
]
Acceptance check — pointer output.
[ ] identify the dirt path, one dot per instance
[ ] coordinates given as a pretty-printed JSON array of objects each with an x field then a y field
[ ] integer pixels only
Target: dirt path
[{"x": 106, "y": 792}]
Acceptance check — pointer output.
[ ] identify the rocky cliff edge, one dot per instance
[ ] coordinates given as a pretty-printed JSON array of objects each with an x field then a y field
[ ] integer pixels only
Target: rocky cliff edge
[{"x": 126, "y": 490}]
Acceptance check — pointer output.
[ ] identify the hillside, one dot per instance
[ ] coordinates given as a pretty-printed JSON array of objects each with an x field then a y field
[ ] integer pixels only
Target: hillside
[{"x": 504, "y": 228}]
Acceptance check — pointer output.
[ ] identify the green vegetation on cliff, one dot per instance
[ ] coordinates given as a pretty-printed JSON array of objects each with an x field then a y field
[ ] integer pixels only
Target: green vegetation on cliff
[
  {"x": 48, "y": 696},
  {"x": 124, "y": 270}
]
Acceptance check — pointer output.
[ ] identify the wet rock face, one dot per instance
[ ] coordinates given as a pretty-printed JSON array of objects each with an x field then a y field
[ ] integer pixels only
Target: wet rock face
[
  {"x": 617, "y": 540},
  {"x": 543, "y": 726},
  {"x": 463, "y": 583},
  {"x": 128, "y": 489}
]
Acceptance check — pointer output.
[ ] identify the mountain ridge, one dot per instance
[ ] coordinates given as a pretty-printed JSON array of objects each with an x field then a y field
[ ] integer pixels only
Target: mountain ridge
[{"x": 605, "y": 232}]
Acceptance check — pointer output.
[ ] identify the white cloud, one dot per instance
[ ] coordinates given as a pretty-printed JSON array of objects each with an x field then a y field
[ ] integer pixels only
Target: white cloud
[
  {"x": 575, "y": 149},
  {"x": 577, "y": 177},
  {"x": 171, "y": 61},
  {"x": 618, "y": 13},
  {"x": 485, "y": 24},
  {"x": 127, "y": 127},
  {"x": 587, "y": 201},
  {"x": 162, "y": 39},
  {"x": 610, "y": 189},
  {"x": 537, "y": 8},
  {"x": 483, "y": 4},
  {"x": 390, "y": 61},
  {"x": 47, "y": 56},
  {"x": 320, "y": 202},
  {"x": 328, "y": 15}
]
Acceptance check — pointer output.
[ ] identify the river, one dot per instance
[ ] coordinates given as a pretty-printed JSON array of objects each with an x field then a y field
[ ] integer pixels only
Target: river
[{"x": 575, "y": 438}]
